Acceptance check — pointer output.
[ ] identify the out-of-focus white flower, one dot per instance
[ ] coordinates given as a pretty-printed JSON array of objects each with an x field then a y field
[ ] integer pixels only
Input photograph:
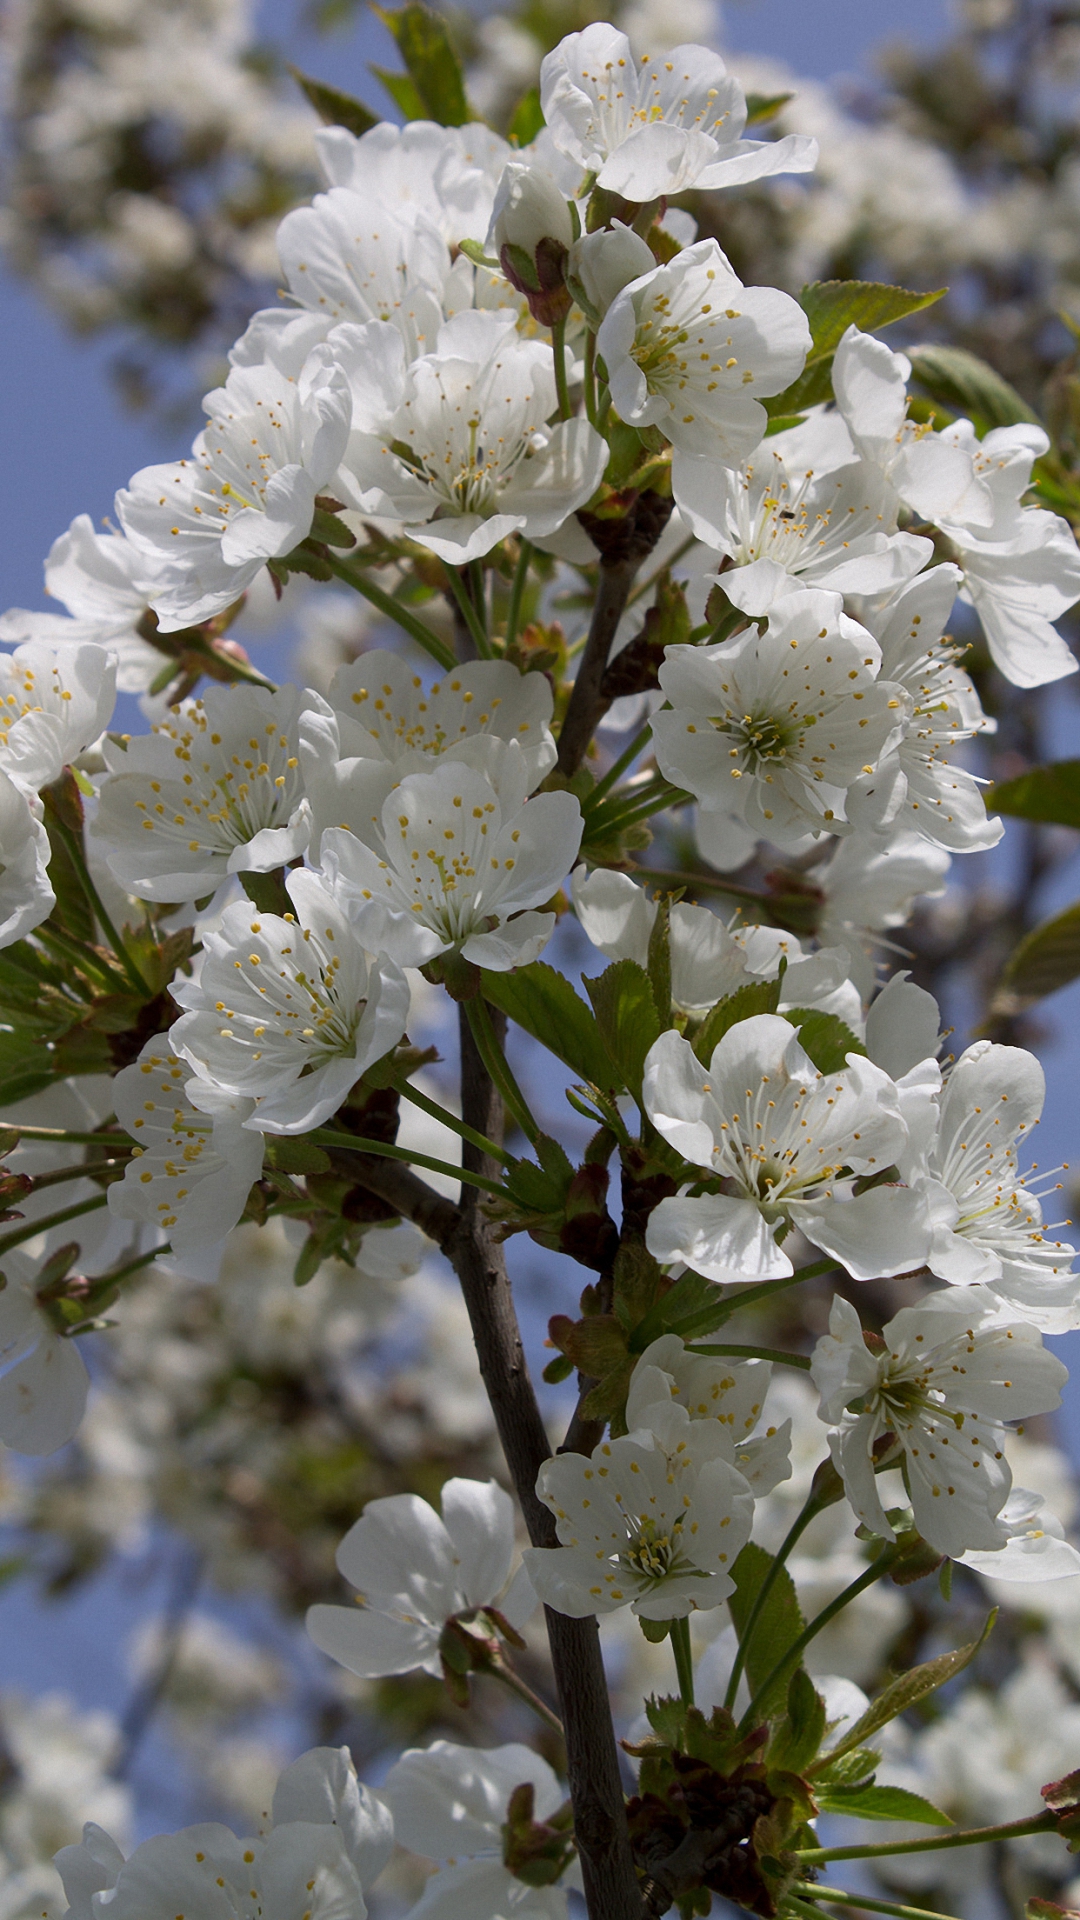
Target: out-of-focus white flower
[
  {"x": 289, "y": 1012},
  {"x": 786, "y": 1139},
  {"x": 457, "y": 446},
  {"x": 43, "y": 1382},
  {"x": 26, "y": 895},
  {"x": 648, "y": 128},
  {"x": 194, "y": 1162},
  {"x": 779, "y": 724},
  {"x": 379, "y": 722},
  {"x": 688, "y": 348},
  {"x": 215, "y": 788},
  {"x": 105, "y": 583},
  {"x": 414, "y": 1571},
  {"x": 654, "y": 1520},
  {"x": 457, "y": 863},
  {"x": 947, "y": 1378}
]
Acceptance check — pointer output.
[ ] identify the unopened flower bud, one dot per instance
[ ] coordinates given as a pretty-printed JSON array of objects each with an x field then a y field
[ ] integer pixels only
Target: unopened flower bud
[
  {"x": 532, "y": 230},
  {"x": 601, "y": 264}
]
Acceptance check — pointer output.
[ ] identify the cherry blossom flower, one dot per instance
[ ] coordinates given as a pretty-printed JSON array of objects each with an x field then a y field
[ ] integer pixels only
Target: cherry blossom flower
[
  {"x": 195, "y": 1162},
  {"x": 43, "y": 1379},
  {"x": 791, "y": 717},
  {"x": 654, "y": 1520},
  {"x": 414, "y": 1571},
  {"x": 947, "y": 1379},
  {"x": 26, "y": 895},
  {"x": 450, "y": 1804},
  {"x": 457, "y": 446},
  {"x": 731, "y": 1392},
  {"x": 685, "y": 344},
  {"x": 289, "y": 1012},
  {"x": 380, "y": 721},
  {"x": 651, "y": 127},
  {"x": 347, "y": 257},
  {"x": 105, "y": 583},
  {"x": 447, "y": 175},
  {"x": 786, "y": 1139},
  {"x": 215, "y": 788},
  {"x": 457, "y": 863},
  {"x": 53, "y": 704},
  {"x": 329, "y": 1839},
  {"x": 928, "y": 471},
  {"x": 247, "y": 493}
]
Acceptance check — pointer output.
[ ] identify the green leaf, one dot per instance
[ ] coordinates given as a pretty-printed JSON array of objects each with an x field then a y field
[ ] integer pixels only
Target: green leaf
[
  {"x": 967, "y": 385},
  {"x": 402, "y": 92},
  {"x": 295, "y": 1156},
  {"x": 527, "y": 119},
  {"x": 832, "y": 306},
  {"x": 824, "y": 1037},
  {"x": 905, "y": 1691},
  {"x": 881, "y": 1803},
  {"x": 430, "y": 62},
  {"x": 1046, "y": 793},
  {"x": 25, "y": 1067},
  {"x": 658, "y": 962},
  {"x": 334, "y": 108},
  {"x": 778, "y": 1625},
  {"x": 543, "y": 1002},
  {"x": 1047, "y": 958},
  {"x": 626, "y": 1015},
  {"x": 764, "y": 106},
  {"x": 757, "y": 996},
  {"x": 797, "y": 1739}
]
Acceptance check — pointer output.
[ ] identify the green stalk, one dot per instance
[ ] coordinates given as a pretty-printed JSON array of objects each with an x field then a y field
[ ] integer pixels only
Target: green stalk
[
  {"x": 590, "y": 379},
  {"x": 558, "y": 348},
  {"x": 498, "y": 1066},
  {"x": 642, "y": 587},
  {"x": 500, "y": 1671},
  {"x": 78, "y": 861},
  {"x": 447, "y": 1119},
  {"x": 705, "y": 882},
  {"x": 517, "y": 592},
  {"x": 772, "y": 1354},
  {"x": 84, "y": 957},
  {"x": 626, "y": 810},
  {"x": 134, "y": 1266},
  {"x": 1044, "y": 1822},
  {"x": 706, "y": 1321},
  {"x": 798, "y": 1527},
  {"x": 840, "y": 1898},
  {"x": 393, "y": 610},
  {"x": 236, "y": 669},
  {"x": 354, "y": 1143},
  {"x": 33, "y": 1227},
  {"x": 617, "y": 769},
  {"x": 684, "y": 1665},
  {"x": 468, "y": 611},
  {"x": 875, "y": 1571},
  {"x": 63, "y": 1174},
  {"x": 479, "y": 600},
  {"x": 63, "y": 1133}
]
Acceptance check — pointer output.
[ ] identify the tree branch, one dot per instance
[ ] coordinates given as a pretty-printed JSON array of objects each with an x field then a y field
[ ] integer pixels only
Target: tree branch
[
  {"x": 623, "y": 545},
  {"x": 611, "y": 1885}
]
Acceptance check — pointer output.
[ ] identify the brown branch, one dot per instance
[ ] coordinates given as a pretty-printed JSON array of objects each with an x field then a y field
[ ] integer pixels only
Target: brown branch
[
  {"x": 623, "y": 545},
  {"x": 611, "y": 1886},
  {"x": 408, "y": 1195}
]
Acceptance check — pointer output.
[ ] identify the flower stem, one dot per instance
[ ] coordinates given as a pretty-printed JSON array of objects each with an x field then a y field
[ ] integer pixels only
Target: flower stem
[
  {"x": 617, "y": 769},
  {"x": 470, "y": 613},
  {"x": 84, "y": 1172},
  {"x": 679, "y": 1632},
  {"x": 393, "y": 610},
  {"x": 1044, "y": 1822},
  {"x": 78, "y": 860},
  {"x": 625, "y": 810},
  {"x": 558, "y": 348},
  {"x": 500, "y": 1671},
  {"x": 517, "y": 592},
  {"x": 31, "y": 1228},
  {"x": 708, "y": 882},
  {"x": 798, "y": 1526},
  {"x": 235, "y": 669},
  {"x": 446, "y": 1119},
  {"x": 773, "y": 1354},
  {"x": 354, "y": 1143},
  {"x": 590, "y": 379},
  {"x": 840, "y": 1898},
  {"x": 63, "y": 1133},
  {"x": 712, "y": 1317},
  {"x": 875, "y": 1571},
  {"x": 494, "y": 1059}
]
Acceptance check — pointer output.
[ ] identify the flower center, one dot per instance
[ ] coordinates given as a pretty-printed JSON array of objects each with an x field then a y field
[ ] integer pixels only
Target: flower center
[{"x": 651, "y": 1555}]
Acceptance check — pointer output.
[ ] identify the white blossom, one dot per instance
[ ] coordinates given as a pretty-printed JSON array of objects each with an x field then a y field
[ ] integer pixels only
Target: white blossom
[
  {"x": 329, "y": 1837},
  {"x": 347, "y": 256},
  {"x": 289, "y": 1012},
  {"x": 194, "y": 1162},
  {"x": 599, "y": 265},
  {"x": 692, "y": 351},
  {"x": 654, "y": 1520},
  {"x": 651, "y": 127},
  {"x": 871, "y": 883},
  {"x": 1036, "y": 1548},
  {"x": 731, "y": 1392},
  {"x": 779, "y": 723},
  {"x": 105, "y": 583},
  {"x": 449, "y": 175},
  {"x": 801, "y": 505},
  {"x": 53, "y": 704},
  {"x": 215, "y": 788},
  {"x": 414, "y": 1571},
  {"x": 1022, "y": 571},
  {"x": 26, "y": 896},
  {"x": 927, "y": 470},
  {"x": 43, "y": 1379},
  {"x": 246, "y": 494},
  {"x": 947, "y": 1379},
  {"x": 449, "y": 1804},
  {"x": 457, "y": 863},
  {"x": 380, "y": 721},
  {"x": 785, "y": 1139},
  {"x": 457, "y": 447}
]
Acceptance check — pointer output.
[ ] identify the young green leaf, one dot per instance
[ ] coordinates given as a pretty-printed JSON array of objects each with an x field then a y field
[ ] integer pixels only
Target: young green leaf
[
  {"x": 1046, "y": 793},
  {"x": 543, "y": 1002},
  {"x": 905, "y": 1691},
  {"x": 796, "y": 1740},
  {"x": 832, "y": 306},
  {"x": 881, "y": 1803},
  {"x": 527, "y": 119},
  {"x": 430, "y": 63},
  {"x": 967, "y": 385},
  {"x": 1046, "y": 959},
  {"x": 757, "y": 996},
  {"x": 777, "y": 1627},
  {"x": 824, "y": 1037},
  {"x": 334, "y": 108},
  {"x": 626, "y": 1015}
]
